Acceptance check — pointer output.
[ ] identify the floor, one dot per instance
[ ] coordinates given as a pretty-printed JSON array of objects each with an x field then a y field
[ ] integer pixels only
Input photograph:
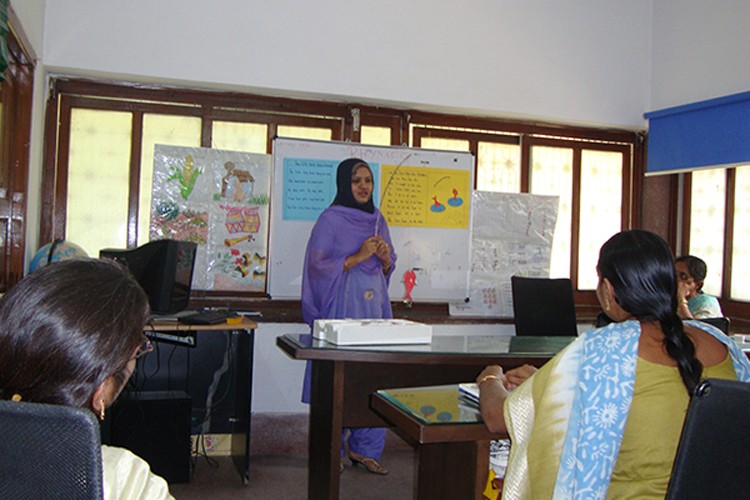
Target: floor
[{"x": 285, "y": 476}]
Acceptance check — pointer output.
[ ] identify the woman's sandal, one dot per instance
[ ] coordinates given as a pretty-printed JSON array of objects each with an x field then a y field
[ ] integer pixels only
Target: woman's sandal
[{"x": 370, "y": 464}]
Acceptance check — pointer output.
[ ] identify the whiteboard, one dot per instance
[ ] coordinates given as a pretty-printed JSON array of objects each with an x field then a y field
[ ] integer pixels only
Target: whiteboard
[{"x": 430, "y": 223}]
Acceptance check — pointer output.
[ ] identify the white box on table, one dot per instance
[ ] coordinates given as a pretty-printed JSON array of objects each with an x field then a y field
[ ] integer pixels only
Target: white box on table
[{"x": 372, "y": 331}]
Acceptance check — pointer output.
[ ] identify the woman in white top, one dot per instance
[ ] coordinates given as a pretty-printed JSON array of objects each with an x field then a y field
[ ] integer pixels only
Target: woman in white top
[{"x": 70, "y": 334}]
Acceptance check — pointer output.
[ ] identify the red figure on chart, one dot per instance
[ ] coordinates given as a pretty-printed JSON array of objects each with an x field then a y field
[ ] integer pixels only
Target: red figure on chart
[{"x": 410, "y": 279}]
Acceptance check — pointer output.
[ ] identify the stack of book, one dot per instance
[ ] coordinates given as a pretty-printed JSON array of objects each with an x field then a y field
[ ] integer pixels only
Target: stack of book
[{"x": 468, "y": 396}]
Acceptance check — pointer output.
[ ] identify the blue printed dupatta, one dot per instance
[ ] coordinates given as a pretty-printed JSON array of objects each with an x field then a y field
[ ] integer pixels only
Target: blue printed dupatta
[{"x": 597, "y": 375}]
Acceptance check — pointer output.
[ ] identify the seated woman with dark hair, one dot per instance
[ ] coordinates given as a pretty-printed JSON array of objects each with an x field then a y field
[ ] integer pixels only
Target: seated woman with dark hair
[
  {"x": 693, "y": 303},
  {"x": 70, "y": 333},
  {"x": 603, "y": 418}
]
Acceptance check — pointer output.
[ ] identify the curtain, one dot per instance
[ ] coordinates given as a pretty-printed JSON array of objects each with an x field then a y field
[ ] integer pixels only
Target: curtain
[{"x": 4, "y": 57}]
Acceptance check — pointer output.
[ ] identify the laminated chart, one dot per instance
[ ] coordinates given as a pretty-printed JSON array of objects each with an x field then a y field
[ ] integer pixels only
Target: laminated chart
[
  {"x": 219, "y": 200},
  {"x": 425, "y": 197}
]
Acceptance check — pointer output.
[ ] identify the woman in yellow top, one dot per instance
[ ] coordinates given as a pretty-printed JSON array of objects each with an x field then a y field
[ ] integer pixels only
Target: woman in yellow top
[{"x": 603, "y": 418}]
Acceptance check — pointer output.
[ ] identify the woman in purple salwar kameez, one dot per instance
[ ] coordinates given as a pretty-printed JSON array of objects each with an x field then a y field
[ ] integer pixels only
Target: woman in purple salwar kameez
[{"x": 348, "y": 264}]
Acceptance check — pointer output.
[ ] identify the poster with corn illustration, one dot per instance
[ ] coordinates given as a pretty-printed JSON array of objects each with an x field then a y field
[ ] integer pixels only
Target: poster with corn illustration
[{"x": 220, "y": 200}]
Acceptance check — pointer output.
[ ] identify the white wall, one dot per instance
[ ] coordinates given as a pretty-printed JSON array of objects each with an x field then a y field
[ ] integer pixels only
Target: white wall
[
  {"x": 31, "y": 15},
  {"x": 580, "y": 61},
  {"x": 699, "y": 51},
  {"x": 277, "y": 378}
]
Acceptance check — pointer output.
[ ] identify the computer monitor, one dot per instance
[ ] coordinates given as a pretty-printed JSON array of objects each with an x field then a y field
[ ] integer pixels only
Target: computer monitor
[{"x": 163, "y": 268}]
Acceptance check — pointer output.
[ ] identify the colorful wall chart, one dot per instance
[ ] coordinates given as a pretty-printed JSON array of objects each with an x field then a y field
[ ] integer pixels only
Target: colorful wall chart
[
  {"x": 220, "y": 200},
  {"x": 425, "y": 197}
]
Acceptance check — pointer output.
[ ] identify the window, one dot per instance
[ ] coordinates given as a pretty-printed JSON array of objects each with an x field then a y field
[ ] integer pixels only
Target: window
[
  {"x": 716, "y": 228},
  {"x": 740, "y": 283},
  {"x": 106, "y": 137},
  {"x": 707, "y": 218},
  {"x": 98, "y": 176},
  {"x": 552, "y": 174},
  {"x": 593, "y": 180},
  {"x": 602, "y": 174},
  {"x": 499, "y": 167},
  {"x": 376, "y": 136}
]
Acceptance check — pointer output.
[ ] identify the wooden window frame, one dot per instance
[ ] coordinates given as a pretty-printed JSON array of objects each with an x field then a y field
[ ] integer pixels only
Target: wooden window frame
[
  {"x": 17, "y": 92},
  {"x": 730, "y": 306},
  {"x": 344, "y": 120}
]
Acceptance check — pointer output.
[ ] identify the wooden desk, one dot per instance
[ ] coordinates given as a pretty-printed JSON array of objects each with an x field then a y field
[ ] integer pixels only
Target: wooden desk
[
  {"x": 187, "y": 335},
  {"x": 343, "y": 377},
  {"x": 452, "y": 443}
]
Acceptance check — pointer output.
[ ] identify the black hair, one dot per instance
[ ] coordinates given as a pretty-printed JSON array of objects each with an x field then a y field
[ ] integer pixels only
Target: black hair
[
  {"x": 640, "y": 267},
  {"x": 66, "y": 327},
  {"x": 697, "y": 269},
  {"x": 344, "y": 195}
]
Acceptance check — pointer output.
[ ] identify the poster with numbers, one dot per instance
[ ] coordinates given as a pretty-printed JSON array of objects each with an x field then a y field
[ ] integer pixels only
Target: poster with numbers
[{"x": 511, "y": 234}]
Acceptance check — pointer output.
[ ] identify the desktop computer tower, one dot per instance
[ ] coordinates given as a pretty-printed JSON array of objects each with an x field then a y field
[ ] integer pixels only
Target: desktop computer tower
[{"x": 155, "y": 425}]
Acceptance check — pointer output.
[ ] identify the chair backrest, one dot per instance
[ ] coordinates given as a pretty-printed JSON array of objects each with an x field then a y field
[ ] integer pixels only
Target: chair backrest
[
  {"x": 720, "y": 322},
  {"x": 712, "y": 457},
  {"x": 543, "y": 306},
  {"x": 49, "y": 451}
]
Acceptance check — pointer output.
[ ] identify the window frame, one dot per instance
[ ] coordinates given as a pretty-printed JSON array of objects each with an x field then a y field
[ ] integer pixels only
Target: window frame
[
  {"x": 408, "y": 127},
  {"x": 15, "y": 134},
  {"x": 730, "y": 306}
]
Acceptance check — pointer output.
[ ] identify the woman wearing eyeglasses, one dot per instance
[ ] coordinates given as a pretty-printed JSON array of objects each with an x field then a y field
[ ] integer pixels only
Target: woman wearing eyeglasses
[{"x": 70, "y": 334}]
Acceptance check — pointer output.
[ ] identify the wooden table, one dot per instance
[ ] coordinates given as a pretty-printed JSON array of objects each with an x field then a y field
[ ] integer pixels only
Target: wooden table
[
  {"x": 343, "y": 377},
  {"x": 451, "y": 441},
  {"x": 182, "y": 334}
]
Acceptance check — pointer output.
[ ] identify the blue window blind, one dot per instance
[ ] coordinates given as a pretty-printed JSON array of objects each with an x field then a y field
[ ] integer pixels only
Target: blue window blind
[{"x": 708, "y": 133}]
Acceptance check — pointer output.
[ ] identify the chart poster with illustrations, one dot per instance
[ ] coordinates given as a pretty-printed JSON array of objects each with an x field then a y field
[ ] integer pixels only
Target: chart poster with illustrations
[
  {"x": 220, "y": 200},
  {"x": 512, "y": 234},
  {"x": 424, "y": 195}
]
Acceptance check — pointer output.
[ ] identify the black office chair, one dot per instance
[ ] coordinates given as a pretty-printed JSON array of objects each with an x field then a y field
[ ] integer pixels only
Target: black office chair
[
  {"x": 712, "y": 458},
  {"x": 49, "y": 451},
  {"x": 543, "y": 306},
  {"x": 720, "y": 322}
]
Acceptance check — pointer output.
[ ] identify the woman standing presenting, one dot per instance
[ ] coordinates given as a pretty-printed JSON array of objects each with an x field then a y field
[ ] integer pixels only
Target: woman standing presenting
[{"x": 348, "y": 265}]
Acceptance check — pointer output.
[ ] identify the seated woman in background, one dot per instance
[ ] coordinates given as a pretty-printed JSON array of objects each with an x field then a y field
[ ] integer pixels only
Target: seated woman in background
[
  {"x": 70, "y": 333},
  {"x": 693, "y": 303},
  {"x": 603, "y": 418}
]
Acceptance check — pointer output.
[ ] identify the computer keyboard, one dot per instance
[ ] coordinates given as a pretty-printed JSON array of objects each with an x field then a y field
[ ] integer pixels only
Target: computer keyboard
[{"x": 211, "y": 317}]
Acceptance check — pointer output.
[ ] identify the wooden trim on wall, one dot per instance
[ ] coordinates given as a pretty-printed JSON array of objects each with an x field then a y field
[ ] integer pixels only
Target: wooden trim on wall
[
  {"x": 134, "y": 178},
  {"x": 726, "y": 288},
  {"x": 274, "y": 111},
  {"x": 46, "y": 224}
]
